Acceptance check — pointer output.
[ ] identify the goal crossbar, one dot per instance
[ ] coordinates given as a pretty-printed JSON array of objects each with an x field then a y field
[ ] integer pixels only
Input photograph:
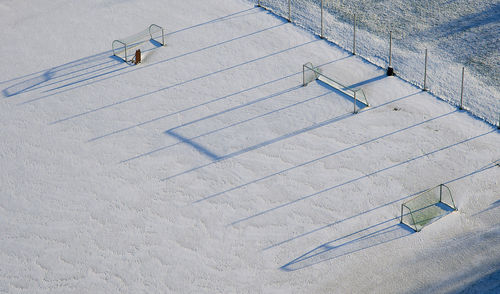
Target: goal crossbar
[
  {"x": 311, "y": 73},
  {"x": 124, "y": 44}
]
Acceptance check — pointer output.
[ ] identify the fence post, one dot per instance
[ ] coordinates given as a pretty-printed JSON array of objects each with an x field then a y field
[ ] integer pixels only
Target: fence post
[
  {"x": 390, "y": 70},
  {"x": 354, "y": 102},
  {"x": 322, "y": 19},
  {"x": 304, "y": 75},
  {"x": 462, "y": 90},
  {"x": 354, "y": 37},
  {"x": 425, "y": 71},
  {"x": 289, "y": 11},
  {"x": 401, "y": 221}
]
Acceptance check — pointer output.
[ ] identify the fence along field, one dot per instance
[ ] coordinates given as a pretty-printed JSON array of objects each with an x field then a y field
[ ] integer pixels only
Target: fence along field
[{"x": 429, "y": 43}]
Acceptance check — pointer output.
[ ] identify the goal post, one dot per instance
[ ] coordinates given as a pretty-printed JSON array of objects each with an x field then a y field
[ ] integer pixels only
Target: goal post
[
  {"x": 311, "y": 73},
  {"x": 121, "y": 47},
  {"x": 427, "y": 207}
]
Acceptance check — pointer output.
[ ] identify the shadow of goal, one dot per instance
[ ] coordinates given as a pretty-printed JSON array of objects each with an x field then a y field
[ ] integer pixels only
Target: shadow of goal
[{"x": 427, "y": 207}]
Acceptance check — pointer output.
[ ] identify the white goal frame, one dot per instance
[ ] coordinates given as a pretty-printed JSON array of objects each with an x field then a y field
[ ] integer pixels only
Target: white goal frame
[
  {"x": 311, "y": 73},
  {"x": 422, "y": 209},
  {"x": 122, "y": 45}
]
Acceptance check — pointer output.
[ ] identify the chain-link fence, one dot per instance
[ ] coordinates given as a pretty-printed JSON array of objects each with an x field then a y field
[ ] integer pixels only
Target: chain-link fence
[{"x": 453, "y": 36}]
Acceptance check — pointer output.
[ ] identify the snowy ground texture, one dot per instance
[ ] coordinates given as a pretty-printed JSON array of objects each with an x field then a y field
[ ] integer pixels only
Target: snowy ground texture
[{"x": 210, "y": 169}]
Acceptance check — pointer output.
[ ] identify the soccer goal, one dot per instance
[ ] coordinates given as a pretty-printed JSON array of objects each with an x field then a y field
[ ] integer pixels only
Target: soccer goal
[
  {"x": 311, "y": 73},
  {"x": 122, "y": 47},
  {"x": 427, "y": 207}
]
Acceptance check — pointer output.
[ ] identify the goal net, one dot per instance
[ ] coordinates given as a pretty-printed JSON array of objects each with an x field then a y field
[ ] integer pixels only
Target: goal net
[
  {"x": 427, "y": 207},
  {"x": 311, "y": 73},
  {"x": 124, "y": 47}
]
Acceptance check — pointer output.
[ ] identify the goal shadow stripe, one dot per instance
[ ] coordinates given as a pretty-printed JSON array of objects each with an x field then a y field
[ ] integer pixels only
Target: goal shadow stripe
[
  {"x": 190, "y": 139},
  {"x": 105, "y": 54},
  {"x": 480, "y": 170},
  {"x": 356, "y": 179},
  {"x": 322, "y": 157},
  {"x": 180, "y": 83},
  {"x": 105, "y": 77},
  {"x": 203, "y": 104}
]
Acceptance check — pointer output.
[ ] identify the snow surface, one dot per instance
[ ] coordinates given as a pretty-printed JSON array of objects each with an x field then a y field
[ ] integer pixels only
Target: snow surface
[{"x": 208, "y": 168}]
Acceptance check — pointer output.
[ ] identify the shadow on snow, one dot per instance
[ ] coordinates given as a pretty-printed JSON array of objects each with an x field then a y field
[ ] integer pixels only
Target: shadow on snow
[
  {"x": 359, "y": 178},
  {"x": 203, "y": 104},
  {"x": 363, "y": 239},
  {"x": 180, "y": 83},
  {"x": 108, "y": 75},
  {"x": 324, "y": 156}
]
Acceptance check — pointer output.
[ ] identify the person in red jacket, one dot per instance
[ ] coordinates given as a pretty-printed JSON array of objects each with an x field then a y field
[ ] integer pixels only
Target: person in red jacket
[{"x": 137, "y": 58}]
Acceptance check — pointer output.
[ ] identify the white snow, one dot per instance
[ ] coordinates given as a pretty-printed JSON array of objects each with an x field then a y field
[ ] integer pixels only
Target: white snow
[{"x": 208, "y": 168}]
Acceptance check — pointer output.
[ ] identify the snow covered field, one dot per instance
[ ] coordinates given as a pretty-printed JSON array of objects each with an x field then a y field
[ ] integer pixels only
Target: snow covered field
[{"x": 208, "y": 168}]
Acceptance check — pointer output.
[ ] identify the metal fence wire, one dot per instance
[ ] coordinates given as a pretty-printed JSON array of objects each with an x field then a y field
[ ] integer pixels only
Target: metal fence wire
[{"x": 421, "y": 52}]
